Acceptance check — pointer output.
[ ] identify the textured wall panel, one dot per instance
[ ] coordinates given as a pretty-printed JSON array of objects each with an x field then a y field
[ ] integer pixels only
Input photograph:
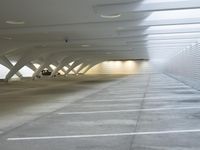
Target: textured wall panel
[{"x": 185, "y": 66}]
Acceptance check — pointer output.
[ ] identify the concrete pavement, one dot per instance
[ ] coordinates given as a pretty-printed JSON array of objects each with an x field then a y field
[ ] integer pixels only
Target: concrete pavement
[{"x": 137, "y": 112}]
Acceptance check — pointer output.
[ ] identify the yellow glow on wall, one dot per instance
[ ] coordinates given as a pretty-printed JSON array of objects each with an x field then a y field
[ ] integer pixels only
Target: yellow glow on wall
[
  {"x": 119, "y": 67},
  {"x": 65, "y": 68},
  {"x": 71, "y": 63},
  {"x": 76, "y": 68},
  {"x": 61, "y": 72},
  {"x": 84, "y": 69}
]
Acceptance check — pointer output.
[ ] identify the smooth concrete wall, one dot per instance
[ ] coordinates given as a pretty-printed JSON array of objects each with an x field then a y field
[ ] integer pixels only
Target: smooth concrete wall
[
  {"x": 121, "y": 67},
  {"x": 185, "y": 66}
]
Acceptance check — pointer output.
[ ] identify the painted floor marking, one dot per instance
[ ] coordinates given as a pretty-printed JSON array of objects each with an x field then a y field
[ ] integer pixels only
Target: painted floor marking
[
  {"x": 124, "y": 100},
  {"x": 129, "y": 110},
  {"x": 104, "y": 135}
]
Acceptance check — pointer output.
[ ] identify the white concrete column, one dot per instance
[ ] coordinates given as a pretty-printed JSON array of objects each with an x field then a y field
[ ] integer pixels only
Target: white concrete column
[
  {"x": 81, "y": 67},
  {"x": 68, "y": 66},
  {"x": 42, "y": 66},
  {"x": 74, "y": 65},
  {"x": 4, "y": 61},
  {"x": 21, "y": 63},
  {"x": 31, "y": 66},
  {"x": 90, "y": 66},
  {"x": 60, "y": 66}
]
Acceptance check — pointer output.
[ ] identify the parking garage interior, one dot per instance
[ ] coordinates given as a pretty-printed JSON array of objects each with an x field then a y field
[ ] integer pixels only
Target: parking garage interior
[{"x": 100, "y": 75}]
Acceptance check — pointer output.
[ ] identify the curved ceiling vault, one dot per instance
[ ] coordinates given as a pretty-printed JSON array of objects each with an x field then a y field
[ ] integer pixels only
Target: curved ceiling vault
[{"x": 96, "y": 30}]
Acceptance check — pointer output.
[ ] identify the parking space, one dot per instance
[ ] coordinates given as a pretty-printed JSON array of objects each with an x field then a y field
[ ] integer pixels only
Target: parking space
[{"x": 139, "y": 112}]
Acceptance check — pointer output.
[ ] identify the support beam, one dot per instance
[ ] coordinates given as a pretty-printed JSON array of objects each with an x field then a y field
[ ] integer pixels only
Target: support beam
[
  {"x": 74, "y": 65},
  {"x": 42, "y": 66},
  {"x": 90, "y": 66},
  {"x": 63, "y": 63},
  {"x": 49, "y": 68},
  {"x": 68, "y": 66},
  {"x": 31, "y": 66},
  {"x": 4, "y": 61},
  {"x": 60, "y": 66},
  {"x": 21, "y": 63},
  {"x": 81, "y": 67}
]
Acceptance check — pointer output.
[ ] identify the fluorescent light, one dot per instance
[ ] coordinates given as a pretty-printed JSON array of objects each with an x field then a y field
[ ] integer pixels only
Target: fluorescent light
[
  {"x": 15, "y": 22},
  {"x": 85, "y": 45},
  {"x": 108, "y": 53},
  {"x": 111, "y": 16}
]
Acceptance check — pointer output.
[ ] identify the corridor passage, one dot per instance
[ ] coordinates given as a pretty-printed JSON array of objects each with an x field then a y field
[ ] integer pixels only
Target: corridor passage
[{"x": 135, "y": 112}]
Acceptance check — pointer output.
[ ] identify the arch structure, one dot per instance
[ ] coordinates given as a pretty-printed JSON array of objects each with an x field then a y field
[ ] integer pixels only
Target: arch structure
[
  {"x": 45, "y": 59},
  {"x": 154, "y": 30}
]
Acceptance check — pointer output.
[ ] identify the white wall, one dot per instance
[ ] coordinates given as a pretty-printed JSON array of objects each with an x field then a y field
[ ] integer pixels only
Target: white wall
[
  {"x": 121, "y": 67},
  {"x": 185, "y": 66}
]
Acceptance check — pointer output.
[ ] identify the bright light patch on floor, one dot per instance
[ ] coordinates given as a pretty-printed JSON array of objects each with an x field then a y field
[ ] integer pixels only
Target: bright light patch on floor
[{"x": 174, "y": 14}]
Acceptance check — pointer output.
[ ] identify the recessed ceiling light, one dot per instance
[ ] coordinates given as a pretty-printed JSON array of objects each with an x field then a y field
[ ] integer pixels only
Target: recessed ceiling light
[
  {"x": 15, "y": 22},
  {"x": 120, "y": 28},
  {"x": 108, "y": 53},
  {"x": 85, "y": 45},
  {"x": 111, "y": 16}
]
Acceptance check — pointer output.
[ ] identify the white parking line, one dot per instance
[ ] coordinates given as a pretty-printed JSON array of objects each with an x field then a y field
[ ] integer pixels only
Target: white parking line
[
  {"x": 129, "y": 110},
  {"x": 104, "y": 135},
  {"x": 104, "y": 105},
  {"x": 124, "y": 100}
]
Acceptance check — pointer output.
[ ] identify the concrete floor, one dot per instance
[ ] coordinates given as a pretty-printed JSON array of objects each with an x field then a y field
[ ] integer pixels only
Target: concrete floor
[{"x": 137, "y": 112}]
